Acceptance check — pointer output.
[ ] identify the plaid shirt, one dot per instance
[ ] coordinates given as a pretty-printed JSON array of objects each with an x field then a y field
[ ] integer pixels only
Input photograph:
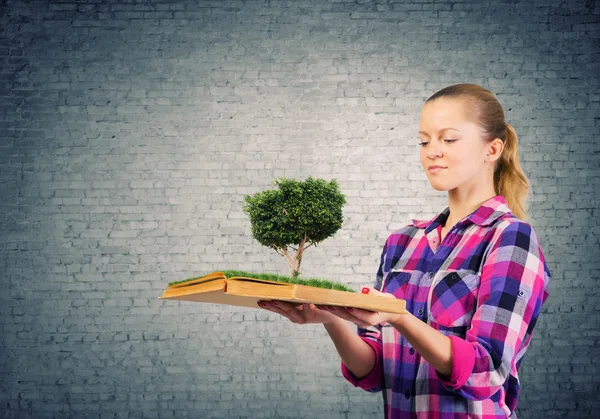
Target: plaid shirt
[{"x": 483, "y": 286}]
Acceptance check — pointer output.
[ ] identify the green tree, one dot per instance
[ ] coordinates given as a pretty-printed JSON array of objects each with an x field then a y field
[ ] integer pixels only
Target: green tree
[{"x": 299, "y": 213}]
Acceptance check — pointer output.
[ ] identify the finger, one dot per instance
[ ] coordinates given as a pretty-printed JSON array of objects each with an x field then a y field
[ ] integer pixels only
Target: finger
[
  {"x": 370, "y": 317},
  {"x": 277, "y": 306},
  {"x": 363, "y": 318},
  {"x": 373, "y": 291},
  {"x": 306, "y": 308},
  {"x": 287, "y": 306},
  {"x": 309, "y": 312},
  {"x": 344, "y": 314},
  {"x": 338, "y": 311},
  {"x": 290, "y": 311},
  {"x": 269, "y": 306},
  {"x": 272, "y": 306},
  {"x": 264, "y": 304},
  {"x": 360, "y": 317},
  {"x": 360, "y": 312}
]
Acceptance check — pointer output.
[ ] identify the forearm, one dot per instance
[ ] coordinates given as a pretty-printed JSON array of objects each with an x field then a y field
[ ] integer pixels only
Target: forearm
[
  {"x": 355, "y": 353},
  {"x": 433, "y": 346}
]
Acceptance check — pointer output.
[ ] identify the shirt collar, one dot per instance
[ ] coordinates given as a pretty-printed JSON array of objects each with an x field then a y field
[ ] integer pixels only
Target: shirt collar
[{"x": 485, "y": 215}]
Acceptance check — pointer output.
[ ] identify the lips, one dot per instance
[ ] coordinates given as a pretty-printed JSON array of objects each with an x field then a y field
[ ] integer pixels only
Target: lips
[{"x": 435, "y": 169}]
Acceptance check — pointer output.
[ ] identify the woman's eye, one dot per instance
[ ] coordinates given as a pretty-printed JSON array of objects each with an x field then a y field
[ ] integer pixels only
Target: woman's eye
[{"x": 448, "y": 140}]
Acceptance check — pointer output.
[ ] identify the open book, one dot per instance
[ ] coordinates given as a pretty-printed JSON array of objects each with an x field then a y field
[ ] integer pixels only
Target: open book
[{"x": 246, "y": 291}]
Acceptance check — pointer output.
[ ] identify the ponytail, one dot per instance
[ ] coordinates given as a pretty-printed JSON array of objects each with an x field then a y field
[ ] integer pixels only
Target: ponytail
[{"x": 509, "y": 179}]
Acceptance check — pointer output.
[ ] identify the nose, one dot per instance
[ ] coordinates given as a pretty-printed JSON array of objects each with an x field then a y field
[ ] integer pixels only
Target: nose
[{"x": 433, "y": 151}]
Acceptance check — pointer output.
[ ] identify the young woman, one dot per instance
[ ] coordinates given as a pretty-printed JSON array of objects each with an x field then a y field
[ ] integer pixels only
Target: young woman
[{"x": 474, "y": 277}]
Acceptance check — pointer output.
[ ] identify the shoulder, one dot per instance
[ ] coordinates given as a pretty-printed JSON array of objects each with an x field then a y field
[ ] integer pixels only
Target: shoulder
[
  {"x": 509, "y": 230},
  {"x": 515, "y": 242}
]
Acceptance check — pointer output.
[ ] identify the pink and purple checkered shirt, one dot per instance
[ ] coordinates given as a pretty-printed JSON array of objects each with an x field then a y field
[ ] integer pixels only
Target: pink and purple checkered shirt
[{"x": 483, "y": 286}]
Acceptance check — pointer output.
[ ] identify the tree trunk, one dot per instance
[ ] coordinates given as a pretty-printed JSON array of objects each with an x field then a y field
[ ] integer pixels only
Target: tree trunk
[{"x": 295, "y": 261}]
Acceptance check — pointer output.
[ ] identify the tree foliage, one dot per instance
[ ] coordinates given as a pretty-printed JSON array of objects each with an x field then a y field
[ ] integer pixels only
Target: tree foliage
[{"x": 301, "y": 213}]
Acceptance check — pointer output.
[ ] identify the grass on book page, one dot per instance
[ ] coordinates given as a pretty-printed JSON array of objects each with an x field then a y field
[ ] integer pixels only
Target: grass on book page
[{"x": 311, "y": 282}]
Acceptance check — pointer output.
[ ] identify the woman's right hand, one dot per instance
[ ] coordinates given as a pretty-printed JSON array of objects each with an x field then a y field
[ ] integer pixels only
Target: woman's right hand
[{"x": 299, "y": 313}]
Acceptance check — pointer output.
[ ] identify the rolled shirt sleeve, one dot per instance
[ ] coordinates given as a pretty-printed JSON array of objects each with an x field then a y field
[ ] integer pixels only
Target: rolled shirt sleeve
[
  {"x": 513, "y": 287},
  {"x": 371, "y": 382}
]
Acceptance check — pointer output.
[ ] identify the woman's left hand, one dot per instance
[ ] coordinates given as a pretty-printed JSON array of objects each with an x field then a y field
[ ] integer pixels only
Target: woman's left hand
[{"x": 364, "y": 318}]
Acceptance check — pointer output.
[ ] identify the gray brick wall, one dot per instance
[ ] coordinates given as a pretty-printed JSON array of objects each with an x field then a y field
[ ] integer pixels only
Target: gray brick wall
[{"x": 130, "y": 131}]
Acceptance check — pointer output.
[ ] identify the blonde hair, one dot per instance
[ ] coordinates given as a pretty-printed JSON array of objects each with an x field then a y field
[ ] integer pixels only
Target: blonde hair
[{"x": 509, "y": 179}]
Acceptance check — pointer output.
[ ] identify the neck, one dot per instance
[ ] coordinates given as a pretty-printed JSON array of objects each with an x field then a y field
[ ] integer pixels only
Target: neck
[{"x": 464, "y": 202}]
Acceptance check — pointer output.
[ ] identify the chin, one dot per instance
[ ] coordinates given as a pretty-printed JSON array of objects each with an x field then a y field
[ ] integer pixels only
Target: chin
[{"x": 439, "y": 186}]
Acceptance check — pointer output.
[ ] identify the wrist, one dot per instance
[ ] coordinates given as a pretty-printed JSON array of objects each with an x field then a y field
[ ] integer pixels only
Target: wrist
[
  {"x": 396, "y": 320},
  {"x": 332, "y": 321}
]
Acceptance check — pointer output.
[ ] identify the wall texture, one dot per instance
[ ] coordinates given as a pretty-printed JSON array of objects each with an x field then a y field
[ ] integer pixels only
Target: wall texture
[{"x": 130, "y": 131}]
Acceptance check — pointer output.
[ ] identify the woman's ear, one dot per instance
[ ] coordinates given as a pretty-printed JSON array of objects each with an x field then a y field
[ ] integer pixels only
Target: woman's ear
[{"x": 494, "y": 150}]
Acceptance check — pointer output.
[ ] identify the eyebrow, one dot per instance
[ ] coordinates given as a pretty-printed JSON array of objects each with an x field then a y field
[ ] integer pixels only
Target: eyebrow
[{"x": 442, "y": 130}]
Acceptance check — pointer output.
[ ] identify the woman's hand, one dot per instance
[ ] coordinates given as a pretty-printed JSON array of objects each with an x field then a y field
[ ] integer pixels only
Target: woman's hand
[
  {"x": 299, "y": 313},
  {"x": 309, "y": 313},
  {"x": 365, "y": 318}
]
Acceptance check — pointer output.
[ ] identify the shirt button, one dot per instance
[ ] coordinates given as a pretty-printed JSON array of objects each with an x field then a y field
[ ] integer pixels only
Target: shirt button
[
  {"x": 411, "y": 351},
  {"x": 407, "y": 394},
  {"x": 420, "y": 311},
  {"x": 431, "y": 274}
]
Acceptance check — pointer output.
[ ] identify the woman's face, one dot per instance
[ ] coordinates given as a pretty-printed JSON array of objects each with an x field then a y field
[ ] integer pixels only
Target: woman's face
[{"x": 452, "y": 147}]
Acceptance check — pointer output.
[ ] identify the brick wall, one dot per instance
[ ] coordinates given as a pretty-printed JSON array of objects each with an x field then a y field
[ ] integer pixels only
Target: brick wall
[{"x": 130, "y": 131}]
